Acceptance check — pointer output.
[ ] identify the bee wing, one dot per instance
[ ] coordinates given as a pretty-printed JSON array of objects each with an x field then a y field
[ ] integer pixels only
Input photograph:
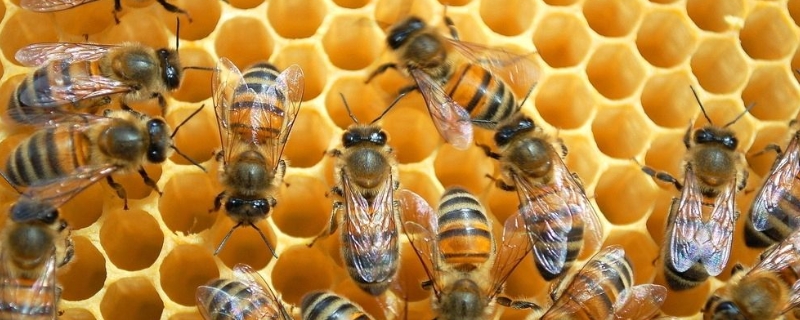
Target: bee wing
[
  {"x": 80, "y": 87},
  {"x": 236, "y": 310},
  {"x": 515, "y": 246},
  {"x": 265, "y": 299},
  {"x": 515, "y": 69},
  {"x": 420, "y": 225},
  {"x": 781, "y": 255},
  {"x": 778, "y": 183},
  {"x": 686, "y": 225},
  {"x": 371, "y": 228},
  {"x": 28, "y": 296},
  {"x": 289, "y": 87},
  {"x": 450, "y": 119},
  {"x": 51, "y": 5},
  {"x": 37, "y": 54},
  {"x": 224, "y": 81},
  {"x": 717, "y": 235},
  {"x": 639, "y": 302},
  {"x": 586, "y": 285}
]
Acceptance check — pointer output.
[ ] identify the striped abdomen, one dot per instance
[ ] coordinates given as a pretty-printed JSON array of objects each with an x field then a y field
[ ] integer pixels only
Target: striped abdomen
[
  {"x": 780, "y": 218},
  {"x": 48, "y": 154},
  {"x": 34, "y": 97},
  {"x": 542, "y": 225},
  {"x": 464, "y": 236},
  {"x": 256, "y": 111},
  {"x": 20, "y": 300},
  {"x": 321, "y": 305},
  {"x": 483, "y": 95},
  {"x": 233, "y": 297}
]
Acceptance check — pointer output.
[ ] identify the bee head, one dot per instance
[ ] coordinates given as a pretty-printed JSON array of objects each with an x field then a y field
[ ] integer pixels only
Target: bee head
[
  {"x": 160, "y": 140},
  {"x": 708, "y": 135},
  {"x": 724, "y": 310},
  {"x": 357, "y": 135},
  {"x": 170, "y": 68},
  {"x": 400, "y": 33},
  {"x": 247, "y": 208},
  {"x": 28, "y": 210},
  {"x": 507, "y": 132}
]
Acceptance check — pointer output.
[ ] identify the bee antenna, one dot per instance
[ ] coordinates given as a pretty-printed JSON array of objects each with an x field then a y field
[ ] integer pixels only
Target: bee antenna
[
  {"x": 185, "y": 120},
  {"x": 225, "y": 240},
  {"x": 263, "y": 237},
  {"x": 174, "y": 132},
  {"x": 347, "y": 106},
  {"x": 199, "y": 68},
  {"x": 5, "y": 177},
  {"x": 746, "y": 110},
  {"x": 188, "y": 158},
  {"x": 697, "y": 98},
  {"x": 177, "y": 33},
  {"x": 397, "y": 99}
]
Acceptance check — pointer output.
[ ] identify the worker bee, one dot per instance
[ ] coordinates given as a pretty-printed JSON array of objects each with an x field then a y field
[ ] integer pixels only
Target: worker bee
[
  {"x": 59, "y": 5},
  {"x": 322, "y": 305},
  {"x": 775, "y": 213},
  {"x": 76, "y": 76},
  {"x": 471, "y": 87},
  {"x": 457, "y": 250},
  {"x": 84, "y": 145},
  {"x": 35, "y": 241},
  {"x": 701, "y": 222},
  {"x": 246, "y": 296},
  {"x": 767, "y": 291},
  {"x": 559, "y": 219},
  {"x": 255, "y": 113},
  {"x": 366, "y": 178},
  {"x": 603, "y": 289}
]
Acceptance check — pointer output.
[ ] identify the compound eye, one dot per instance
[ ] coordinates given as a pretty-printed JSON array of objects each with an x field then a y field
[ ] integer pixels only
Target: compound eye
[
  {"x": 727, "y": 310},
  {"x": 378, "y": 138},
  {"x": 703, "y": 136},
  {"x": 730, "y": 142},
  {"x": 503, "y": 135},
  {"x": 349, "y": 139},
  {"x": 261, "y": 206},
  {"x": 233, "y": 204},
  {"x": 50, "y": 216}
]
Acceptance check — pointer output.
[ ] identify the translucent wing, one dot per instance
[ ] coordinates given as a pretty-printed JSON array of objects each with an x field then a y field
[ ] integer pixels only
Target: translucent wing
[
  {"x": 450, "y": 119},
  {"x": 37, "y": 54},
  {"x": 287, "y": 92},
  {"x": 515, "y": 245},
  {"x": 371, "y": 230},
  {"x": 224, "y": 80},
  {"x": 686, "y": 225},
  {"x": 777, "y": 185},
  {"x": 80, "y": 87},
  {"x": 51, "y": 5},
  {"x": 640, "y": 302},
  {"x": 421, "y": 225},
  {"x": 517, "y": 70},
  {"x": 782, "y": 255},
  {"x": 35, "y": 296},
  {"x": 265, "y": 298},
  {"x": 717, "y": 235}
]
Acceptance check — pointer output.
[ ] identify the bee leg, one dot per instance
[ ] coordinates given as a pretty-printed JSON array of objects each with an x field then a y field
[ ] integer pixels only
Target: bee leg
[
  {"x": 736, "y": 269},
  {"x": 218, "y": 202},
  {"x": 172, "y": 8},
  {"x": 488, "y": 151},
  {"x": 148, "y": 181},
  {"x": 120, "y": 191},
  {"x": 451, "y": 26},
  {"x": 117, "y": 8},
  {"x": 502, "y": 184},
  {"x": 743, "y": 183},
  {"x": 663, "y": 176},
  {"x": 162, "y": 104},
  {"x": 769, "y": 147},
  {"x": 381, "y": 69},
  {"x": 516, "y": 304},
  {"x": 332, "y": 224},
  {"x": 69, "y": 253}
]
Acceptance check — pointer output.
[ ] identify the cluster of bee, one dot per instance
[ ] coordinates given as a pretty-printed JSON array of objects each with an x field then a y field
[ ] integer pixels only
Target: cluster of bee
[{"x": 462, "y": 84}]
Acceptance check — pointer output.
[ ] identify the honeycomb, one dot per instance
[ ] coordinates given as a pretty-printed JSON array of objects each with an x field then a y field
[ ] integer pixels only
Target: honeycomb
[{"x": 614, "y": 87}]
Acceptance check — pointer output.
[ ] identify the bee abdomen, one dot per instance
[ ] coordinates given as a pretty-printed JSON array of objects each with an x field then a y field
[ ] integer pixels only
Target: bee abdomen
[
  {"x": 688, "y": 279},
  {"x": 483, "y": 95},
  {"x": 541, "y": 226},
  {"x": 328, "y": 306},
  {"x": 19, "y": 304},
  {"x": 246, "y": 303},
  {"x": 464, "y": 233},
  {"x": 47, "y": 154}
]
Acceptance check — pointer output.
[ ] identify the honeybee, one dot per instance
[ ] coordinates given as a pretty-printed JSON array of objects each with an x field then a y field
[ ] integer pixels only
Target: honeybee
[
  {"x": 559, "y": 219},
  {"x": 366, "y": 178},
  {"x": 701, "y": 222},
  {"x": 84, "y": 145},
  {"x": 77, "y": 76},
  {"x": 457, "y": 250},
  {"x": 767, "y": 291},
  {"x": 603, "y": 289},
  {"x": 774, "y": 213},
  {"x": 322, "y": 305},
  {"x": 246, "y": 296},
  {"x": 463, "y": 88},
  {"x": 59, "y": 5},
  {"x": 255, "y": 113},
  {"x": 34, "y": 242}
]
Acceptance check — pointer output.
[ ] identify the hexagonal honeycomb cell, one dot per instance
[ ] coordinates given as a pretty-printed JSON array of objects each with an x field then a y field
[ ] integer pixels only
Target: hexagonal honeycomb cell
[{"x": 614, "y": 87}]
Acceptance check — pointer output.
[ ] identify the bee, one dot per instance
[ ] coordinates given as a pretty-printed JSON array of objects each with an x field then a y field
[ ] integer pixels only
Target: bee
[
  {"x": 76, "y": 76},
  {"x": 767, "y": 291},
  {"x": 559, "y": 219},
  {"x": 33, "y": 243},
  {"x": 775, "y": 213},
  {"x": 366, "y": 178},
  {"x": 59, "y": 5},
  {"x": 255, "y": 113},
  {"x": 457, "y": 250},
  {"x": 246, "y": 296},
  {"x": 461, "y": 89},
  {"x": 84, "y": 145},
  {"x": 322, "y": 305},
  {"x": 701, "y": 222},
  {"x": 603, "y": 289}
]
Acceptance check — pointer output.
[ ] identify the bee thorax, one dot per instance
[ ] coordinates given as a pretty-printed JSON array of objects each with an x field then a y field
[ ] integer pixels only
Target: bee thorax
[
  {"x": 463, "y": 301},
  {"x": 713, "y": 166},
  {"x": 29, "y": 244},
  {"x": 532, "y": 157},
  {"x": 369, "y": 168},
  {"x": 123, "y": 141},
  {"x": 249, "y": 172}
]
